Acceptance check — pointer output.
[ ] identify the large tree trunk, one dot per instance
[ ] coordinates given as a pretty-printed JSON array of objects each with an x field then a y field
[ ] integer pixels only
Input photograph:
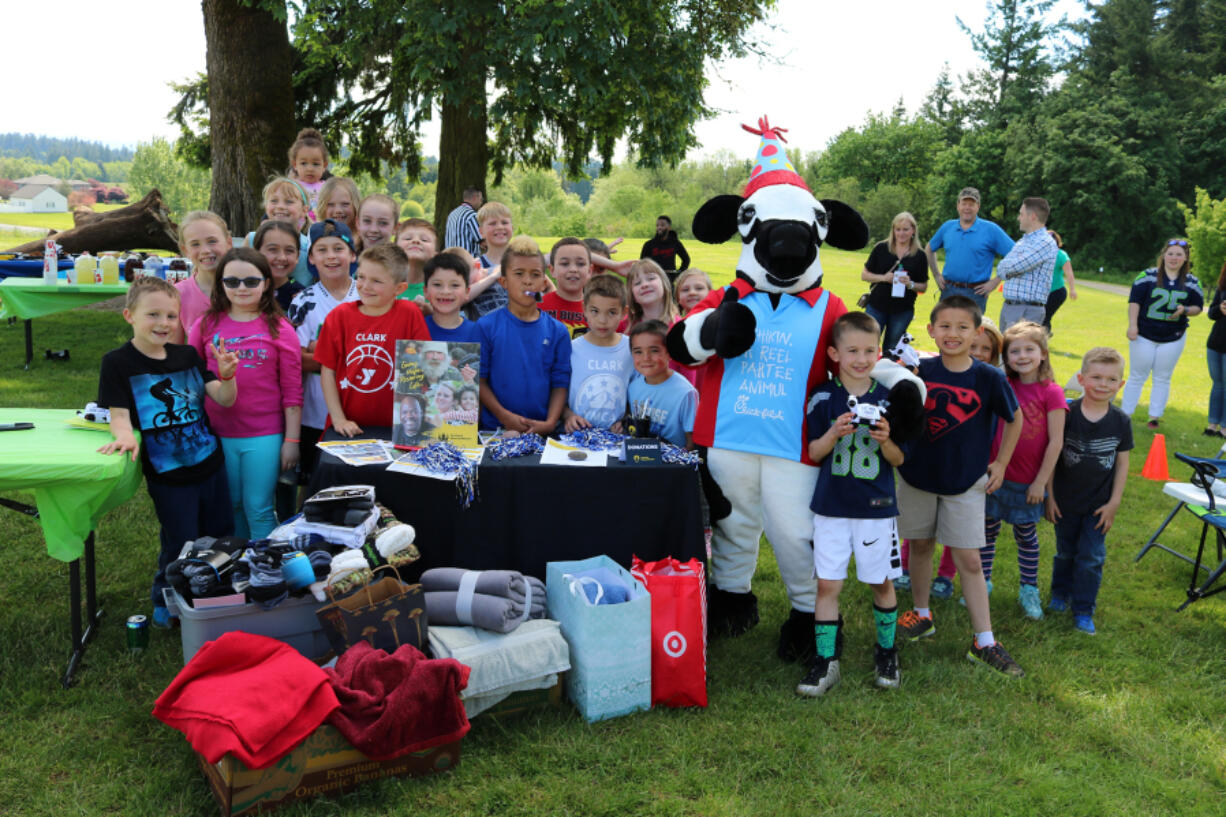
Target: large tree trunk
[
  {"x": 145, "y": 225},
  {"x": 463, "y": 150},
  {"x": 251, "y": 106}
]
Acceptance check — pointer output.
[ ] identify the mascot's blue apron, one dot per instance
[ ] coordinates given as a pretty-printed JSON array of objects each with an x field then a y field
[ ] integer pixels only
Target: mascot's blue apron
[{"x": 762, "y": 395}]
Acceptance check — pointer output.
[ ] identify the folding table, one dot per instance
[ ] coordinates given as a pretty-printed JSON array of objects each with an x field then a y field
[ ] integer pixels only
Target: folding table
[
  {"x": 28, "y": 298},
  {"x": 73, "y": 487}
]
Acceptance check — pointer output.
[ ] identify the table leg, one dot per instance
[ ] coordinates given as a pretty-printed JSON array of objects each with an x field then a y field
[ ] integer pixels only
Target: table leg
[
  {"x": 29, "y": 342},
  {"x": 81, "y": 637}
]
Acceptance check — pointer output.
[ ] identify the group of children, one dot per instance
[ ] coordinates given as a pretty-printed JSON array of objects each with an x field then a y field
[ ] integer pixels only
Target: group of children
[
  {"x": 998, "y": 446},
  {"x": 303, "y": 325}
]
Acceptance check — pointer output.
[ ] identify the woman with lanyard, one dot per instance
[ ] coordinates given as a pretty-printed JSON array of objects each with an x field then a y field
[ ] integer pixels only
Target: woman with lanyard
[
  {"x": 898, "y": 270},
  {"x": 1159, "y": 305}
]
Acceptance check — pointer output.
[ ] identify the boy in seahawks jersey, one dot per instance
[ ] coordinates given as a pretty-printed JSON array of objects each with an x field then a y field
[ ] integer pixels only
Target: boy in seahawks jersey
[{"x": 853, "y": 504}]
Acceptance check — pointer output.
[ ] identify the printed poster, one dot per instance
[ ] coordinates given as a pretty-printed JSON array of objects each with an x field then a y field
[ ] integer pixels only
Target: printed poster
[{"x": 436, "y": 393}]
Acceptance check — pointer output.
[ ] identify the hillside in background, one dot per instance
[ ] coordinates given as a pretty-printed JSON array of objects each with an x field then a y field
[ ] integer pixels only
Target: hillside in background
[{"x": 48, "y": 149}]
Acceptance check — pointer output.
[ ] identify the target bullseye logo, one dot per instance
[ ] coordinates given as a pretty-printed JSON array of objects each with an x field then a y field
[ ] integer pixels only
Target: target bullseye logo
[{"x": 674, "y": 644}]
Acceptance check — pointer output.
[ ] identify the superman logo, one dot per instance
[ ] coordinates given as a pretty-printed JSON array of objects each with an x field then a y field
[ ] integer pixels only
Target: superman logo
[{"x": 948, "y": 407}]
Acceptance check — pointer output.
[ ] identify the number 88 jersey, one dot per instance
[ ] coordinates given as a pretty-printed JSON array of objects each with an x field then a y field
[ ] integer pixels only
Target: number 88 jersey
[{"x": 854, "y": 480}]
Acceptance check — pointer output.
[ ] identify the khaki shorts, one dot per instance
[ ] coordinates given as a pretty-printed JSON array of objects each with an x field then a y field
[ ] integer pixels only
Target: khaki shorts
[{"x": 954, "y": 521}]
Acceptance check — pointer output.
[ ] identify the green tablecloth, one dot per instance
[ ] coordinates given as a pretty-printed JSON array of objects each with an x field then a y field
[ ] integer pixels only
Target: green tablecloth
[
  {"x": 30, "y": 298},
  {"x": 73, "y": 485}
]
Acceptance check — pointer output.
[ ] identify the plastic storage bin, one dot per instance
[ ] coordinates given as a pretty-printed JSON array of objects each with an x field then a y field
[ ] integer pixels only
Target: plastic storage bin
[{"x": 293, "y": 621}]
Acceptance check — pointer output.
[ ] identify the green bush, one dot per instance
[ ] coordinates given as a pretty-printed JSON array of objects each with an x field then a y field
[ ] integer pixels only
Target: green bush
[
  {"x": 1206, "y": 229},
  {"x": 412, "y": 209}
]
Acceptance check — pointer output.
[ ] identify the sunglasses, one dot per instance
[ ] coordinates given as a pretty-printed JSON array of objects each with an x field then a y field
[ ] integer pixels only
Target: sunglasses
[
  {"x": 252, "y": 282},
  {"x": 1177, "y": 242}
]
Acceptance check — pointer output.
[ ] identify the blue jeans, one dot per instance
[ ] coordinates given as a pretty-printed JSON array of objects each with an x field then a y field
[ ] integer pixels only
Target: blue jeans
[
  {"x": 968, "y": 290},
  {"x": 1217, "y": 395},
  {"x": 185, "y": 513},
  {"x": 1077, "y": 569},
  {"x": 893, "y": 324}
]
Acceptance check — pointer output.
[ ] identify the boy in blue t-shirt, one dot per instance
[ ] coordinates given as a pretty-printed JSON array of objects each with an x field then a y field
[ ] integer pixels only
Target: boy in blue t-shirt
[
  {"x": 656, "y": 390},
  {"x": 525, "y": 354},
  {"x": 445, "y": 279},
  {"x": 947, "y": 476},
  {"x": 853, "y": 504}
]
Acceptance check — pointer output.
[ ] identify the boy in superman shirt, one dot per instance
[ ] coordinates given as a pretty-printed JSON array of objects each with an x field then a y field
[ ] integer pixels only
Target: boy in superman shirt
[
  {"x": 947, "y": 475},
  {"x": 357, "y": 345}
]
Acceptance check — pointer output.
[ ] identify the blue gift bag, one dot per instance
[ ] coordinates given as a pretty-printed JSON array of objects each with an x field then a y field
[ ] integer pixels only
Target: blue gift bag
[{"x": 610, "y": 644}]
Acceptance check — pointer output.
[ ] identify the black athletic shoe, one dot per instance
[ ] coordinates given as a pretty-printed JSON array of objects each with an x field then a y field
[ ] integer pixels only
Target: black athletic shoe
[
  {"x": 823, "y": 675},
  {"x": 887, "y": 666}
]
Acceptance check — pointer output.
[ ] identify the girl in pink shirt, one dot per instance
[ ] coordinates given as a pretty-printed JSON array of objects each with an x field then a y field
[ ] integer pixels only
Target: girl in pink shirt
[
  {"x": 1019, "y": 500},
  {"x": 203, "y": 239},
  {"x": 260, "y": 432}
]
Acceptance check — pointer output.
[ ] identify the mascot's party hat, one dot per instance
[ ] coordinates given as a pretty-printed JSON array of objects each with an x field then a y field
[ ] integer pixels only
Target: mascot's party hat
[{"x": 771, "y": 166}]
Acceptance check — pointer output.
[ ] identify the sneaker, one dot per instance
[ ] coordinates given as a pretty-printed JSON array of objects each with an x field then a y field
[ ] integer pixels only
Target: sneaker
[
  {"x": 913, "y": 626},
  {"x": 823, "y": 675},
  {"x": 161, "y": 618},
  {"x": 1058, "y": 605},
  {"x": 903, "y": 582},
  {"x": 1152, "y": 424},
  {"x": 962, "y": 599},
  {"x": 887, "y": 666},
  {"x": 1028, "y": 597},
  {"x": 997, "y": 658},
  {"x": 1084, "y": 624},
  {"x": 1211, "y": 432},
  {"x": 942, "y": 588}
]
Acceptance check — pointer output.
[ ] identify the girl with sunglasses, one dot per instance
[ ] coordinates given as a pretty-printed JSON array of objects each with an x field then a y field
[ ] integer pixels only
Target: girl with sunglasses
[
  {"x": 1159, "y": 305},
  {"x": 259, "y": 434}
]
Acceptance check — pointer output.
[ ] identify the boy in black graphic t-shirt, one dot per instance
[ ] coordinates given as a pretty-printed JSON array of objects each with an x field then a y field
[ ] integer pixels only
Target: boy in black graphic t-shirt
[
  {"x": 159, "y": 388},
  {"x": 947, "y": 474},
  {"x": 1088, "y": 486}
]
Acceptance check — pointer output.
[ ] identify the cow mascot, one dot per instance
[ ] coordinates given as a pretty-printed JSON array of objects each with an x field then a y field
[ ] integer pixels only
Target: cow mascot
[{"x": 762, "y": 342}]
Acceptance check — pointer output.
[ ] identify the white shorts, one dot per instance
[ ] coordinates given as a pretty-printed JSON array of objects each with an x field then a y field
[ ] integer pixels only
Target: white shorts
[{"x": 874, "y": 542}]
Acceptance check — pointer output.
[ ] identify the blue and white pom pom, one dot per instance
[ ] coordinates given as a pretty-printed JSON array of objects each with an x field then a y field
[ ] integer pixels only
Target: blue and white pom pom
[
  {"x": 445, "y": 458},
  {"x": 521, "y": 446},
  {"x": 593, "y": 439}
]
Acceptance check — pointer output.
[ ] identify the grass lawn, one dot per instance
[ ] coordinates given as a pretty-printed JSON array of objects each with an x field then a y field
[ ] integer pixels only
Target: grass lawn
[
  {"x": 1126, "y": 723},
  {"x": 52, "y": 221}
]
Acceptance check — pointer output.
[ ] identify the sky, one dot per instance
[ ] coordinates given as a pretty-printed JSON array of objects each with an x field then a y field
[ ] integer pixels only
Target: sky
[{"x": 831, "y": 64}]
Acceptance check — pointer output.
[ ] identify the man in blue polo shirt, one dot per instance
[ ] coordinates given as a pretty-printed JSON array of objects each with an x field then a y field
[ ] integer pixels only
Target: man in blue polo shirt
[{"x": 971, "y": 245}]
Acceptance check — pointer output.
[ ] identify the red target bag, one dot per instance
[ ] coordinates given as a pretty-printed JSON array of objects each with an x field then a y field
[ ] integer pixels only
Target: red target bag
[{"x": 678, "y": 630}]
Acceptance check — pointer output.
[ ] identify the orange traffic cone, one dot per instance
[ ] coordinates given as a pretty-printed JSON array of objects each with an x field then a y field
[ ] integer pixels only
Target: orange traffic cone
[{"x": 1155, "y": 463}]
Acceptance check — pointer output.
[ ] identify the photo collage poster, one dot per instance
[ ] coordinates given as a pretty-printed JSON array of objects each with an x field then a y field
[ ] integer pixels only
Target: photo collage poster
[{"x": 436, "y": 393}]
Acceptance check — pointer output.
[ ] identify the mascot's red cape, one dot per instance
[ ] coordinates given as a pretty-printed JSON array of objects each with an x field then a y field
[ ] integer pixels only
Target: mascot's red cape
[{"x": 762, "y": 342}]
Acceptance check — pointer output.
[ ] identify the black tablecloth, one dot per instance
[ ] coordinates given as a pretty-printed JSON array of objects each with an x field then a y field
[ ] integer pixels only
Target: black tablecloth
[{"x": 527, "y": 514}]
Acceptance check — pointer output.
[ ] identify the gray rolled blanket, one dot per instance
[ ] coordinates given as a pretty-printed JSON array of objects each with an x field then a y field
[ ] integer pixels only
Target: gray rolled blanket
[{"x": 496, "y": 600}]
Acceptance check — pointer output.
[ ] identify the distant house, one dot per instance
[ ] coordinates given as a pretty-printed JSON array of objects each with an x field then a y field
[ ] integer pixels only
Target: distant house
[
  {"x": 37, "y": 198},
  {"x": 47, "y": 180}
]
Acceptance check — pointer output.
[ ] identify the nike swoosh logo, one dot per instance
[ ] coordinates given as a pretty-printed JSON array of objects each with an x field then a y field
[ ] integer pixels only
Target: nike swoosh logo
[{"x": 868, "y": 544}]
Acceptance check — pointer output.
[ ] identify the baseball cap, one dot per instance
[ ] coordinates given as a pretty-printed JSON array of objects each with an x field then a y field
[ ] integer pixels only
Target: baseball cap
[
  {"x": 328, "y": 228},
  {"x": 969, "y": 193}
]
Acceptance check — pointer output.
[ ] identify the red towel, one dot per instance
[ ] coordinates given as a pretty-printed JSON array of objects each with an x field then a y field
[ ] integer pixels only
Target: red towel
[
  {"x": 250, "y": 695},
  {"x": 399, "y": 703}
]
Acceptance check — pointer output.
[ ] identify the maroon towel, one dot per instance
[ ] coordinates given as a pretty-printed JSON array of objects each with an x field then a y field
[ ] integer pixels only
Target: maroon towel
[
  {"x": 250, "y": 695},
  {"x": 399, "y": 703}
]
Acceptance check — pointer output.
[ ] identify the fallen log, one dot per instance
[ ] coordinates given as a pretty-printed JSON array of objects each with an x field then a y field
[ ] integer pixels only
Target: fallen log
[{"x": 145, "y": 225}]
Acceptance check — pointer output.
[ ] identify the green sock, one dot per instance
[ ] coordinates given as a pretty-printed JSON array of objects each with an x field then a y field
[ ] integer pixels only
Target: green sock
[
  {"x": 826, "y": 633},
  {"x": 886, "y": 620}
]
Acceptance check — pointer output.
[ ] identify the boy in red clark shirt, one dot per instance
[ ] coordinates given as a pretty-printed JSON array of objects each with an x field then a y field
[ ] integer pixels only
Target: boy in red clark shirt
[{"x": 357, "y": 345}]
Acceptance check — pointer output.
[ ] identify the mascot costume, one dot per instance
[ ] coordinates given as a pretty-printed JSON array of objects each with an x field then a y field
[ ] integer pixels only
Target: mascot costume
[{"x": 762, "y": 343}]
